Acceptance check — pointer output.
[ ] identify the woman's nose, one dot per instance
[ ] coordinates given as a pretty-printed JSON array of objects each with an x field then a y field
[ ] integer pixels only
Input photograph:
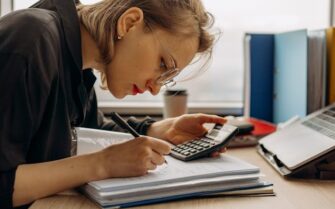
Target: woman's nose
[{"x": 153, "y": 87}]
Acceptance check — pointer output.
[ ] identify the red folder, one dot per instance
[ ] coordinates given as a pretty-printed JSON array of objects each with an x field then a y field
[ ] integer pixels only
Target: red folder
[{"x": 261, "y": 129}]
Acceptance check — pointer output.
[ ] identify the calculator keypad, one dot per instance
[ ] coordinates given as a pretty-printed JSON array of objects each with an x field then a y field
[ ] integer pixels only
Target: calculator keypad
[
  {"x": 194, "y": 146},
  {"x": 197, "y": 147}
]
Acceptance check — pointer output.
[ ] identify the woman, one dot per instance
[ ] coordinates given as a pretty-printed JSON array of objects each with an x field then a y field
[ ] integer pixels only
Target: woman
[{"x": 46, "y": 56}]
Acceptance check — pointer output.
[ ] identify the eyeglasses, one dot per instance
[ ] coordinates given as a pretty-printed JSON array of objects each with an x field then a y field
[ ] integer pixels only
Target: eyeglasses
[{"x": 167, "y": 78}]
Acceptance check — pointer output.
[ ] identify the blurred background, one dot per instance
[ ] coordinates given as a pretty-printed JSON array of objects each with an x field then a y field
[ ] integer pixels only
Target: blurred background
[{"x": 220, "y": 89}]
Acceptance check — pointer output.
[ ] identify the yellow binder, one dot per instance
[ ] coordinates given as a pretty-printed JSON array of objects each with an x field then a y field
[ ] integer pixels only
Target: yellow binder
[{"x": 331, "y": 64}]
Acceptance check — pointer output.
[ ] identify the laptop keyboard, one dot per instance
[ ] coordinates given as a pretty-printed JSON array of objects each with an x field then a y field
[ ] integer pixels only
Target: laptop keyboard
[{"x": 323, "y": 123}]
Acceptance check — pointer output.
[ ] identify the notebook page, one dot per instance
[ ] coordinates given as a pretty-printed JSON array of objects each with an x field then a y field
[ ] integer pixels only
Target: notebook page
[
  {"x": 92, "y": 140},
  {"x": 173, "y": 186}
]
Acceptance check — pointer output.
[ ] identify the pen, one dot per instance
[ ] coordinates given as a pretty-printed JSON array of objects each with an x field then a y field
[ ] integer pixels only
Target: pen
[{"x": 123, "y": 124}]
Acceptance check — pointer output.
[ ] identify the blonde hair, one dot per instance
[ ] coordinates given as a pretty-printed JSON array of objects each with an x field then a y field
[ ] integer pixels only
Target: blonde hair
[{"x": 180, "y": 17}]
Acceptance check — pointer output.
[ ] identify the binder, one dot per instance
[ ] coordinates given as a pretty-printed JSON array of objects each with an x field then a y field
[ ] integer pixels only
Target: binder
[
  {"x": 259, "y": 63},
  {"x": 261, "y": 185},
  {"x": 286, "y": 74},
  {"x": 331, "y": 64},
  {"x": 290, "y": 77},
  {"x": 317, "y": 70}
]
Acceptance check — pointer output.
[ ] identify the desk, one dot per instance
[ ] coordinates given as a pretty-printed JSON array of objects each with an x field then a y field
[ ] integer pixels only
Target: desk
[{"x": 290, "y": 194}]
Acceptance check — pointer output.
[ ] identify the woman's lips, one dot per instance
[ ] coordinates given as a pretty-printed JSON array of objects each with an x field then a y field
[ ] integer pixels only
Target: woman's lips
[{"x": 136, "y": 90}]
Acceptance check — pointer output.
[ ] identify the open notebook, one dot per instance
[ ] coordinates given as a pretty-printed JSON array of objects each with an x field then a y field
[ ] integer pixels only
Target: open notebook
[{"x": 171, "y": 181}]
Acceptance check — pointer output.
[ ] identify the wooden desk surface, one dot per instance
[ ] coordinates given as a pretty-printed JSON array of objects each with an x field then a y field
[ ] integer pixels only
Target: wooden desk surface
[{"x": 290, "y": 194}]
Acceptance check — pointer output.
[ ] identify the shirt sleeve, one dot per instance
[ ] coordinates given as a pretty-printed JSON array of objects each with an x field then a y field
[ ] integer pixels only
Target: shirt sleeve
[
  {"x": 96, "y": 119},
  {"x": 20, "y": 108}
]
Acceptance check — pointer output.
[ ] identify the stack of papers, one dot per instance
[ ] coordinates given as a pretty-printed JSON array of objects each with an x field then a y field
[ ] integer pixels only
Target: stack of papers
[{"x": 175, "y": 180}]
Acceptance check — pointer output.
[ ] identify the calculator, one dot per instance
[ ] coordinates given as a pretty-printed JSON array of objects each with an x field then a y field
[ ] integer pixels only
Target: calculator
[{"x": 215, "y": 139}]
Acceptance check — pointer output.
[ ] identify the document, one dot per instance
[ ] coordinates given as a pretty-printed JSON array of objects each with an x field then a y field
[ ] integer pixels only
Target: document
[
  {"x": 180, "y": 171},
  {"x": 175, "y": 180}
]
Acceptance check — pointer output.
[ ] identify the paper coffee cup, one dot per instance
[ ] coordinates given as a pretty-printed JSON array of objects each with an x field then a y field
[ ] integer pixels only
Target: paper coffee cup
[{"x": 175, "y": 103}]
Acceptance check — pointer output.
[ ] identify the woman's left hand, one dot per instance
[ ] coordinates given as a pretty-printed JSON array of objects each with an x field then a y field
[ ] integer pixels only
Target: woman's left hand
[{"x": 183, "y": 128}]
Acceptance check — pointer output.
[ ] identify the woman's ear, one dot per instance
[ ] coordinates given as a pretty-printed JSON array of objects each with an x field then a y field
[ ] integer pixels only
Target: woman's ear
[{"x": 130, "y": 19}]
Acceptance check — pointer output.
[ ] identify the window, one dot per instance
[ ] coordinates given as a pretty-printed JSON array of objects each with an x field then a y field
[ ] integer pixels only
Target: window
[{"x": 220, "y": 88}]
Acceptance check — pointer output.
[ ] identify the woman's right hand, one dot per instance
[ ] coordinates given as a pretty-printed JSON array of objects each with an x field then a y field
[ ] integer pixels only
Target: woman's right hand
[{"x": 132, "y": 158}]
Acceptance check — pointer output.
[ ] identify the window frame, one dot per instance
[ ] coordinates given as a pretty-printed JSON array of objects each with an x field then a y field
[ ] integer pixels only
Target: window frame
[
  {"x": 6, "y": 6},
  {"x": 156, "y": 108},
  {"x": 332, "y": 14}
]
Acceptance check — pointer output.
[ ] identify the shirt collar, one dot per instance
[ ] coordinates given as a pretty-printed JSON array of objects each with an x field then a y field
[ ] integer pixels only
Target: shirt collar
[{"x": 68, "y": 14}]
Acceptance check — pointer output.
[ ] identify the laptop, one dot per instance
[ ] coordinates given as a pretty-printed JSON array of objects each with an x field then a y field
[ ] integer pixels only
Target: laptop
[{"x": 306, "y": 141}]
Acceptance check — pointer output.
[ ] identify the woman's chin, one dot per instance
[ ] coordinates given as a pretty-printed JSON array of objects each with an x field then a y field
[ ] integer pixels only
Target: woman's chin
[{"x": 118, "y": 95}]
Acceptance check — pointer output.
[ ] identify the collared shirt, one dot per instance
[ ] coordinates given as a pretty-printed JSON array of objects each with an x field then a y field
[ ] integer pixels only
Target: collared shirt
[{"x": 43, "y": 90}]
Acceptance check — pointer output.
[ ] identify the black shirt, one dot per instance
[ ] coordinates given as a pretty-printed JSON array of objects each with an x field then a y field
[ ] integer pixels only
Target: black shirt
[{"x": 43, "y": 90}]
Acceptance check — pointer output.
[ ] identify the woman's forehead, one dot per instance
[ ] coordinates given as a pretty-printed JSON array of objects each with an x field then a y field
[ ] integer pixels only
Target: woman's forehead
[{"x": 181, "y": 48}]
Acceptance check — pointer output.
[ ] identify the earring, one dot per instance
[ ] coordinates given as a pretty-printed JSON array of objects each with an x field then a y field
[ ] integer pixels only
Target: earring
[{"x": 119, "y": 37}]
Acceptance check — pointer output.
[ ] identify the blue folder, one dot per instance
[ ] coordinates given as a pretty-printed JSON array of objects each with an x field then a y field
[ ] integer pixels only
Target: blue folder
[
  {"x": 290, "y": 77},
  {"x": 261, "y": 76}
]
